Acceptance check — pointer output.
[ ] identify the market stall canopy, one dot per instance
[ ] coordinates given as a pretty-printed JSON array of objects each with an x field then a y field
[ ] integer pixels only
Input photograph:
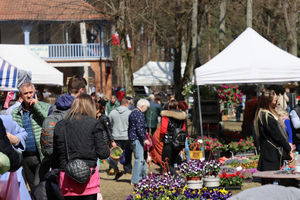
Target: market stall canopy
[
  {"x": 155, "y": 74},
  {"x": 250, "y": 58},
  {"x": 8, "y": 76},
  {"x": 24, "y": 59}
]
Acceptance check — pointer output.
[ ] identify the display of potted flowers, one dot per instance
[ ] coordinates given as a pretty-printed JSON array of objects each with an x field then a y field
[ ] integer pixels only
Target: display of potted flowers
[
  {"x": 229, "y": 95},
  {"x": 242, "y": 146},
  {"x": 211, "y": 171},
  {"x": 232, "y": 181},
  {"x": 193, "y": 171},
  {"x": 166, "y": 186}
]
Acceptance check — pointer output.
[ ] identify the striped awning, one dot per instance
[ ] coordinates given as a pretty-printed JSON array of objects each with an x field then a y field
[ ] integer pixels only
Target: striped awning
[{"x": 8, "y": 76}]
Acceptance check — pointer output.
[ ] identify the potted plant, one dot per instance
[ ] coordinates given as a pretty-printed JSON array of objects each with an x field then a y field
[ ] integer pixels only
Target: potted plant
[
  {"x": 231, "y": 181},
  {"x": 193, "y": 171},
  {"x": 166, "y": 186},
  {"x": 229, "y": 95},
  {"x": 211, "y": 171},
  {"x": 242, "y": 146}
]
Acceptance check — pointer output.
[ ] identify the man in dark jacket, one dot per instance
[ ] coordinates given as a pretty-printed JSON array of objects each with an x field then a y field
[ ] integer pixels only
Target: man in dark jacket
[
  {"x": 152, "y": 115},
  {"x": 60, "y": 110}
]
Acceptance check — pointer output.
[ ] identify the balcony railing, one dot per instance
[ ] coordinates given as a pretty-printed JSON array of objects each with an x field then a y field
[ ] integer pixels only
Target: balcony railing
[{"x": 71, "y": 51}]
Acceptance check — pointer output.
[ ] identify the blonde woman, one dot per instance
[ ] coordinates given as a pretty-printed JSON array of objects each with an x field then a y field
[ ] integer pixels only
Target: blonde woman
[
  {"x": 270, "y": 134},
  {"x": 84, "y": 134}
]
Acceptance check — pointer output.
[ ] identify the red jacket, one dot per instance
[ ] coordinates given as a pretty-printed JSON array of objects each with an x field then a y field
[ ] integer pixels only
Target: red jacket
[{"x": 166, "y": 114}]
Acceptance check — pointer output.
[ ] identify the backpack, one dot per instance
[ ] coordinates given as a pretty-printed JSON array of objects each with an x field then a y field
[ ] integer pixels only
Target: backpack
[
  {"x": 48, "y": 130},
  {"x": 178, "y": 136}
]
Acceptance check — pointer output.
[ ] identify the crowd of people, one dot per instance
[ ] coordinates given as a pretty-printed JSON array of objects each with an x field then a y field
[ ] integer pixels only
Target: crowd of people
[{"x": 44, "y": 143}]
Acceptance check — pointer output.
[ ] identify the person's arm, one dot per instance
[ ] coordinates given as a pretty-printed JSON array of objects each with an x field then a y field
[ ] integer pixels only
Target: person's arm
[
  {"x": 102, "y": 149},
  {"x": 164, "y": 126},
  {"x": 295, "y": 119},
  {"x": 15, "y": 133},
  {"x": 41, "y": 109},
  {"x": 272, "y": 125},
  {"x": 140, "y": 128},
  {"x": 288, "y": 129}
]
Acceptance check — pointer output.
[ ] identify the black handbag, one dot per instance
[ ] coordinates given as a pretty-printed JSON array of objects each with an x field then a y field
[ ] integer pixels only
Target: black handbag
[{"x": 77, "y": 169}]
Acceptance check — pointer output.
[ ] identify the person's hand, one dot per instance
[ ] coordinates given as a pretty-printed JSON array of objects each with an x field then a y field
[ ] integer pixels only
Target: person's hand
[
  {"x": 113, "y": 144},
  {"x": 293, "y": 147},
  {"x": 147, "y": 142},
  {"x": 34, "y": 100},
  {"x": 148, "y": 159},
  {"x": 292, "y": 156},
  {"x": 14, "y": 140}
]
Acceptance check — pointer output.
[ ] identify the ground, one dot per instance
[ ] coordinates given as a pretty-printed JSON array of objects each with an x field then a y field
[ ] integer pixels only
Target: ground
[{"x": 119, "y": 190}]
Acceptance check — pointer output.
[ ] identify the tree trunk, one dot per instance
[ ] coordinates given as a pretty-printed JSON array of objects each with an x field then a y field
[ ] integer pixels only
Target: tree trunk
[
  {"x": 290, "y": 17},
  {"x": 177, "y": 52},
  {"x": 208, "y": 40},
  {"x": 193, "y": 58},
  {"x": 126, "y": 54},
  {"x": 249, "y": 13},
  {"x": 222, "y": 25}
]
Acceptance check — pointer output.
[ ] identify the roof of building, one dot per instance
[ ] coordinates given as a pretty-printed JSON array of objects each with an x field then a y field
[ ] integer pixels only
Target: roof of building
[{"x": 48, "y": 10}]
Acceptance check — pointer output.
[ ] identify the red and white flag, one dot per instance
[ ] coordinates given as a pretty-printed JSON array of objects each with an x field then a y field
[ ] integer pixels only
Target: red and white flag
[
  {"x": 128, "y": 42},
  {"x": 115, "y": 39}
]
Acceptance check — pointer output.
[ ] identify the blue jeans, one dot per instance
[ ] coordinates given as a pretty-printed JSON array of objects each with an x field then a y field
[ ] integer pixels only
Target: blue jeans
[
  {"x": 187, "y": 151},
  {"x": 139, "y": 168}
]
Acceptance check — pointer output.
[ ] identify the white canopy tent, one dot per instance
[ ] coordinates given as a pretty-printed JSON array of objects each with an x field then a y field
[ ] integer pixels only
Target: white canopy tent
[
  {"x": 250, "y": 58},
  {"x": 155, "y": 74},
  {"x": 23, "y": 58}
]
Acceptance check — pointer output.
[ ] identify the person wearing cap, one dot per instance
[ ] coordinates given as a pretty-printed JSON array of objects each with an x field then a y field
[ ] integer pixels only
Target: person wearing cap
[{"x": 130, "y": 102}]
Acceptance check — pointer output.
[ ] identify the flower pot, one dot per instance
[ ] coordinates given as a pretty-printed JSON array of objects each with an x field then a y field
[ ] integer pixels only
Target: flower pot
[
  {"x": 194, "y": 184},
  {"x": 211, "y": 181}
]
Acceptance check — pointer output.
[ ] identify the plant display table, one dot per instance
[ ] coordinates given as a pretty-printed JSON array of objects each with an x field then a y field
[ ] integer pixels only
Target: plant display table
[{"x": 277, "y": 175}]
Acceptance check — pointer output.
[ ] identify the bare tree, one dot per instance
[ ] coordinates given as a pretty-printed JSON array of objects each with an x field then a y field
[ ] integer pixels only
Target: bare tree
[
  {"x": 222, "y": 25},
  {"x": 249, "y": 13},
  {"x": 290, "y": 17}
]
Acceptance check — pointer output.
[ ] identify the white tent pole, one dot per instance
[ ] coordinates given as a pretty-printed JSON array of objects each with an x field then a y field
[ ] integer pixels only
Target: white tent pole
[
  {"x": 200, "y": 112},
  {"x": 200, "y": 121}
]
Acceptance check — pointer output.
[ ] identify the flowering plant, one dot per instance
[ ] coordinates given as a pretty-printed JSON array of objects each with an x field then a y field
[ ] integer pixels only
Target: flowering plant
[
  {"x": 242, "y": 146},
  {"x": 172, "y": 187},
  {"x": 230, "y": 94},
  {"x": 209, "y": 144},
  {"x": 236, "y": 179},
  {"x": 192, "y": 168},
  {"x": 212, "y": 167}
]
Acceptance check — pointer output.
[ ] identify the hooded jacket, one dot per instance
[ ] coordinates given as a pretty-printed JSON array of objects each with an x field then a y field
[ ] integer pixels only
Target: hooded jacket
[
  {"x": 174, "y": 116},
  {"x": 119, "y": 122},
  {"x": 64, "y": 102}
]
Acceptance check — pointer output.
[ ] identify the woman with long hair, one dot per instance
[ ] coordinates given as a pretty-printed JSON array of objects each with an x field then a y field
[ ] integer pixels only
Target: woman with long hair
[
  {"x": 271, "y": 137},
  {"x": 171, "y": 119},
  {"x": 84, "y": 135}
]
